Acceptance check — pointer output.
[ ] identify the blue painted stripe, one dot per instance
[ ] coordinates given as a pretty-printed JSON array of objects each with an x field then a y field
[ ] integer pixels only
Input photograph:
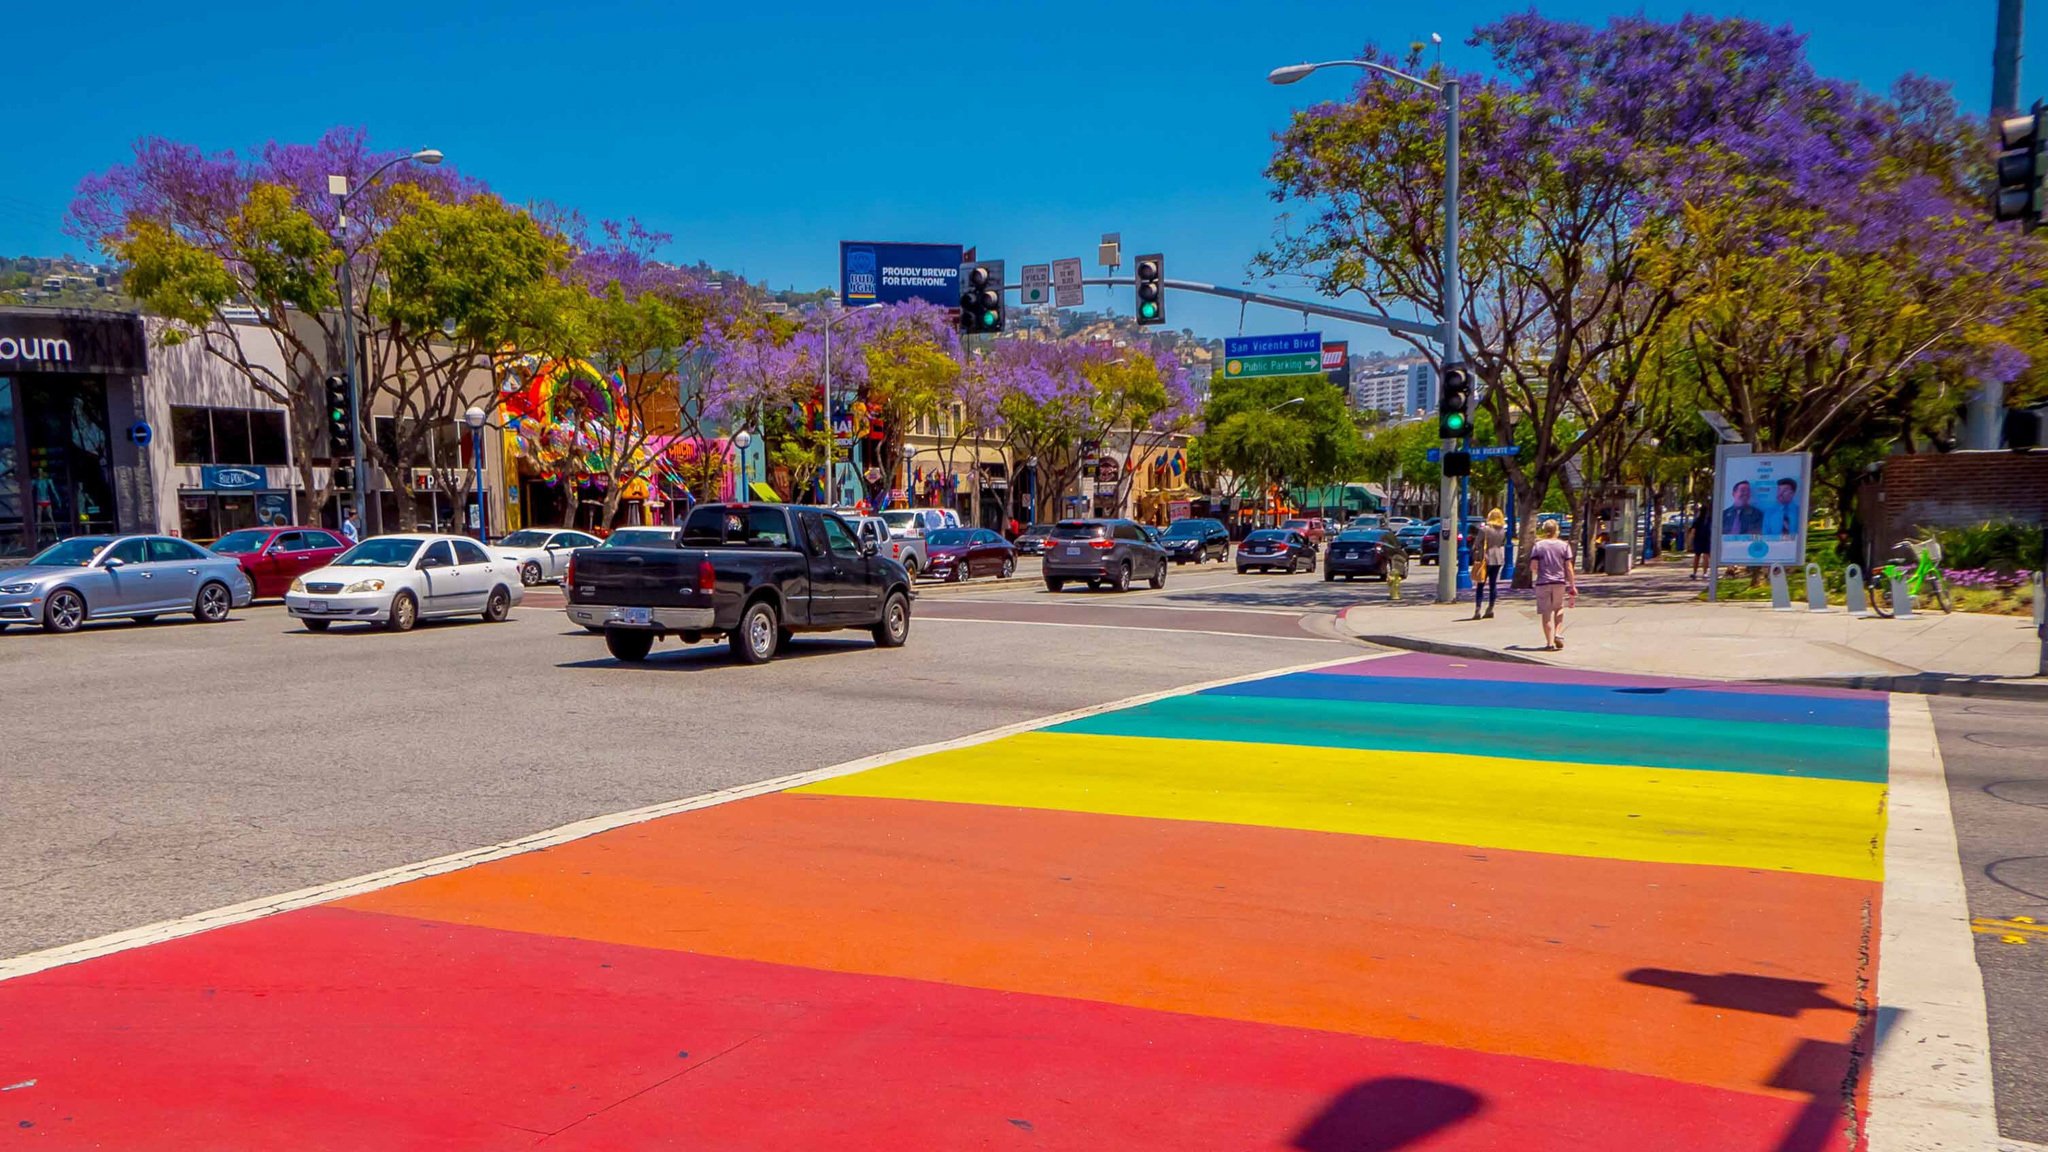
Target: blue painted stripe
[{"x": 1676, "y": 702}]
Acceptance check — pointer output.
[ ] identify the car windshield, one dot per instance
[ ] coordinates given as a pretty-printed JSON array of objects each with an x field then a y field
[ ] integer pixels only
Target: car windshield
[
  {"x": 902, "y": 518},
  {"x": 948, "y": 536},
  {"x": 381, "y": 552},
  {"x": 241, "y": 543},
  {"x": 1360, "y": 535},
  {"x": 1185, "y": 530},
  {"x": 1273, "y": 534},
  {"x": 1079, "y": 531},
  {"x": 636, "y": 538},
  {"x": 1295, "y": 524},
  {"x": 76, "y": 552},
  {"x": 526, "y": 539}
]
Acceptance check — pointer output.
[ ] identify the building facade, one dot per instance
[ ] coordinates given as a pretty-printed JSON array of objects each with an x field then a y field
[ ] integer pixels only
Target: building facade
[
  {"x": 1399, "y": 390},
  {"x": 71, "y": 454}
]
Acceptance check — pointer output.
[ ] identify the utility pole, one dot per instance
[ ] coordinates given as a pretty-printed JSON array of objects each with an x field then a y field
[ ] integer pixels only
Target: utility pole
[
  {"x": 1983, "y": 419},
  {"x": 1447, "y": 496}
]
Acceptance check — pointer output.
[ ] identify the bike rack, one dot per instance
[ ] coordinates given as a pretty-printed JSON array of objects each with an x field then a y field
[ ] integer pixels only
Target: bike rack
[
  {"x": 1902, "y": 597},
  {"x": 2040, "y": 599},
  {"x": 1781, "y": 593},
  {"x": 1816, "y": 590},
  {"x": 1858, "y": 600}
]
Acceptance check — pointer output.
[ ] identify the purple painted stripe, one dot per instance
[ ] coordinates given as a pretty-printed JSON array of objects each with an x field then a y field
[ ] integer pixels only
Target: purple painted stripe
[{"x": 1428, "y": 666}]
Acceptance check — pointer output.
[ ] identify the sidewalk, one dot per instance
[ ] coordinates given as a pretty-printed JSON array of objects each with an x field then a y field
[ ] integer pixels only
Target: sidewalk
[{"x": 1651, "y": 622}]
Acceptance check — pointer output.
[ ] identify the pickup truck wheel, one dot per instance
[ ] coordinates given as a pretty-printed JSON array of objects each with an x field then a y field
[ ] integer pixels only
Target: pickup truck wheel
[
  {"x": 894, "y": 627},
  {"x": 628, "y": 644},
  {"x": 910, "y": 565},
  {"x": 753, "y": 642}
]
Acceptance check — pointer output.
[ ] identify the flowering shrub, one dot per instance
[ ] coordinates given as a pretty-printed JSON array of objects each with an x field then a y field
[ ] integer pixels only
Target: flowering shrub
[{"x": 1986, "y": 578}]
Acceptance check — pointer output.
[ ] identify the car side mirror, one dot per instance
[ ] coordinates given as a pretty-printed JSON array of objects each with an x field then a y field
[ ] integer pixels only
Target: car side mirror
[
  {"x": 113, "y": 562},
  {"x": 868, "y": 548},
  {"x": 427, "y": 562}
]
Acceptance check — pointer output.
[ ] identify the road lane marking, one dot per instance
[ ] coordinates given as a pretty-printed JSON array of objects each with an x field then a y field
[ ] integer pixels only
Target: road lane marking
[
  {"x": 1132, "y": 628},
  {"x": 1156, "y": 607},
  {"x": 263, "y": 906},
  {"x": 1930, "y": 1078}
]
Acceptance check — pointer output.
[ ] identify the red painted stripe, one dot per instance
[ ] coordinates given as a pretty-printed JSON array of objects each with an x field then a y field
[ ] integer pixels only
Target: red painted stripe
[{"x": 330, "y": 1029}]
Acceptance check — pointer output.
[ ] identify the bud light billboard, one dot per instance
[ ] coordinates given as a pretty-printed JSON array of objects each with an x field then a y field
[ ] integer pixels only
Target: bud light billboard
[{"x": 885, "y": 273}]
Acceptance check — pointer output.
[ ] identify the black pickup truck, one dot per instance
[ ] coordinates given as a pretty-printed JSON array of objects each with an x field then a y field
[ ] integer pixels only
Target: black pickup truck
[{"x": 753, "y": 573}]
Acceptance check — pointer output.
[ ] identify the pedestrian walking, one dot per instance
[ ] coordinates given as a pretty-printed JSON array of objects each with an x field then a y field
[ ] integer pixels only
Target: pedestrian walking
[
  {"x": 1702, "y": 539},
  {"x": 348, "y": 527},
  {"x": 1557, "y": 585},
  {"x": 1492, "y": 550}
]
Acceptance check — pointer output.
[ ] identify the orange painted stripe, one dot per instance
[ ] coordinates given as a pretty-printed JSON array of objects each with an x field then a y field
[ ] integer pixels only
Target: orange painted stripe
[{"x": 1707, "y": 975}]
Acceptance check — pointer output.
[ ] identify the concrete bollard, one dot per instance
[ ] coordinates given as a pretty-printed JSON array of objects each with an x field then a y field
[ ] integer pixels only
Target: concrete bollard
[
  {"x": 1816, "y": 590},
  {"x": 1781, "y": 593},
  {"x": 1858, "y": 600},
  {"x": 1902, "y": 597},
  {"x": 2040, "y": 598}
]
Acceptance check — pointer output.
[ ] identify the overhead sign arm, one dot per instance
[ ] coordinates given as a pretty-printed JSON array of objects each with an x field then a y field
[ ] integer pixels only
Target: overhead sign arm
[{"x": 1374, "y": 319}]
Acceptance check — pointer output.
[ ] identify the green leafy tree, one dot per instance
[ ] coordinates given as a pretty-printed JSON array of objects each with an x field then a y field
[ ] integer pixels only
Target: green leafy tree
[{"x": 1278, "y": 429}]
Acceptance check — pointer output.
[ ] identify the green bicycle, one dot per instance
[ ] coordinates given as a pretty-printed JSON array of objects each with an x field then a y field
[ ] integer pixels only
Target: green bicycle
[{"x": 1921, "y": 566}]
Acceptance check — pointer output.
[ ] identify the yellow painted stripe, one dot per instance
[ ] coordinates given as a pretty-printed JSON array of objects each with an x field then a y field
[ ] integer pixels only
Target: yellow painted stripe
[{"x": 1824, "y": 827}]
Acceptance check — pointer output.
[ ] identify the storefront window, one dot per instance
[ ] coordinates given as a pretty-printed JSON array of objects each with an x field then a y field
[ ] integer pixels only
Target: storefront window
[
  {"x": 13, "y": 539},
  {"x": 192, "y": 435},
  {"x": 70, "y": 460},
  {"x": 267, "y": 439}
]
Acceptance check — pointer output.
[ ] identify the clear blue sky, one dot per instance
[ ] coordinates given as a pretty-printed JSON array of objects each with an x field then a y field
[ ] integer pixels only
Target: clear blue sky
[{"x": 762, "y": 134}]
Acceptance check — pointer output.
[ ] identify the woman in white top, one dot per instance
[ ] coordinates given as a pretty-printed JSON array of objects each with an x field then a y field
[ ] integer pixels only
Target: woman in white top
[{"x": 1490, "y": 553}]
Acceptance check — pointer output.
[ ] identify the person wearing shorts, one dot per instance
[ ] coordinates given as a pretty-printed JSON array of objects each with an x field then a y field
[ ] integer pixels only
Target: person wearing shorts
[{"x": 1557, "y": 585}]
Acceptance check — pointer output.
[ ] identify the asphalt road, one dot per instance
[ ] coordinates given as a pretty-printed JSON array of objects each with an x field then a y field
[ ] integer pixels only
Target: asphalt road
[
  {"x": 1998, "y": 788},
  {"x": 156, "y": 770}
]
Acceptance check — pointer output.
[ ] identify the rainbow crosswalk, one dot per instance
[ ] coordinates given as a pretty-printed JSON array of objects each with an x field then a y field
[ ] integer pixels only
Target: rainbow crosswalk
[{"x": 1394, "y": 903}]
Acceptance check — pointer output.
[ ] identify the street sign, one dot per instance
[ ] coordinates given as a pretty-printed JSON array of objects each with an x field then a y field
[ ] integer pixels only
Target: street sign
[
  {"x": 1290, "y": 364},
  {"x": 1037, "y": 284},
  {"x": 141, "y": 433},
  {"x": 1287, "y": 343},
  {"x": 1436, "y": 454},
  {"x": 1066, "y": 282}
]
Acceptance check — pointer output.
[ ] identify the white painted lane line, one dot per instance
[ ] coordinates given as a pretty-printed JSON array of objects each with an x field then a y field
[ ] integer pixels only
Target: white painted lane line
[
  {"x": 1130, "y": 628},
  {"x": 1930, "y": 1079},
  {"x": 1159, "y": 607},
  {"x": 324, "y": 893}
]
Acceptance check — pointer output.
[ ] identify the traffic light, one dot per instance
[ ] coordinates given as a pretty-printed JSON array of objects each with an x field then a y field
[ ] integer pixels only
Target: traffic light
[
  {"x": 1457, "y": 462},
  {"x": 1151, "y": 289},
  {"x": 341, "y": 440},
  {"x": 981, "y": 299},
  {"x": 1454, "y": 404},
  {"x": 2022, "y": 163}
]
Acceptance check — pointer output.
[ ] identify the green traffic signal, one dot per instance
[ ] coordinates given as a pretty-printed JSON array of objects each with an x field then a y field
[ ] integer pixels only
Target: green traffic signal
[
  {"x": 988, "y": 319},
  {"x": 1455, "y": 421},
  {"x": 1149, "y": 310}
]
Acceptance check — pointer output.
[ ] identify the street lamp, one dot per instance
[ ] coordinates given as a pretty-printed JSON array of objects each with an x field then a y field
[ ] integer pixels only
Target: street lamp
[
  {"x": 337, "y": 187},
  {"x": 475, "y": 419},
  {"x": 831, "y": 483},
  {"x": 740, "y": 440},
  {"x": 1446, "y": 572}
]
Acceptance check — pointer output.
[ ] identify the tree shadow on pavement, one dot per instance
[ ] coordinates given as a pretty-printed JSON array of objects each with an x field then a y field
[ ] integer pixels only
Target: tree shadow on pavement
[
  {"x": 1742, "y": 992},
  {"x": 1388, "y": 1113}
]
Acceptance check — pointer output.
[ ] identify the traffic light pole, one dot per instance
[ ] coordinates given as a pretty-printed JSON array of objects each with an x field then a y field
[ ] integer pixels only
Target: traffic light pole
[
  {"x": 355, "y": 392},
  {"x": 1447, "y": 534}
]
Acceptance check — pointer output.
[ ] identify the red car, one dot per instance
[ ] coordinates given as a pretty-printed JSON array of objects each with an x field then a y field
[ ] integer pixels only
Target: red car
[
  {"x": 1315, "y": 528},
  {"x": 274, "y": 557},
  {"x": 956, "y": 554}
]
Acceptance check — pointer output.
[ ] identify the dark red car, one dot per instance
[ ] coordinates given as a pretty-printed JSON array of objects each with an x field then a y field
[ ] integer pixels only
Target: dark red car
[
  {"x": 274, "y": 557},
  {"x": 961, "y": 553}
]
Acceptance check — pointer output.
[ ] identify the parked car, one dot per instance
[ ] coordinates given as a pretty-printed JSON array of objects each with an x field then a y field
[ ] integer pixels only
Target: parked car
[
  {"x": 1365, "y": 552},
  {"x": 1271, "y": 548},
  {"x": 1031, "y": 541},
  {"x": 541, "y": 555},
  {"x": 755, "y": 574},
  {"x": 1112, "y": 552},
  {"x": 1315, "y": 528},
  {"x": 110, "y": 577},
  {"x": 273, "y": 557},
  {"x": 906, "y": 550},
  {"x": 643, "y": 536},
  {"x": 919, "y": 521},
  {"x": 1398, "y": 522},
  {"x": 1194, "y": 540},
  {"x": 1420, "y": 539},
  {"x": 957, "y": 554},
  {"x": 397, "y": 581}
]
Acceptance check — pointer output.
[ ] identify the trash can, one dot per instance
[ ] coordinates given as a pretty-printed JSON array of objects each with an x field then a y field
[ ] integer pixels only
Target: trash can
[{"x": 1616, "y": 559}]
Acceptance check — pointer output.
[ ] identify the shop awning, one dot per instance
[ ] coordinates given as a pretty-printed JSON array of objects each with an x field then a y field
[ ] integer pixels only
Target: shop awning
[
  {"x": 764, "y": 493},
  {"x": 1352, "y": 498}
]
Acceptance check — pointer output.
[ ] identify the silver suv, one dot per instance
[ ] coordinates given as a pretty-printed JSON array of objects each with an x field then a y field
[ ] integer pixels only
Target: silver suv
[
  {"x": 1112, "y": 552},
  {"x": 907, "y": 550}
]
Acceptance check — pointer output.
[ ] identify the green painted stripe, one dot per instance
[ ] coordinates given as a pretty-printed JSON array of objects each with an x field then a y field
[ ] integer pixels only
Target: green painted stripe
[{"x": 1809, "y": 750}]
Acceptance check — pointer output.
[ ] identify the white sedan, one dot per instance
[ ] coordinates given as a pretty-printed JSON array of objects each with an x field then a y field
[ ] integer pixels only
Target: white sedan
[
  {"x": 398, "y": 581},
  {"x": 541, "y": 555}
]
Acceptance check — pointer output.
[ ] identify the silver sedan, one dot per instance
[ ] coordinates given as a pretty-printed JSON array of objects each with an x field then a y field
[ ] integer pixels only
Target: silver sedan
[{"x": 108, "y": 577}]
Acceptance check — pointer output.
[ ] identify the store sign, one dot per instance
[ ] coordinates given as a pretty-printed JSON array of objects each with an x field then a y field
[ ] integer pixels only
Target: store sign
[
  {"x": 67, "y": 342},
  {"x": 232, "y": 478},
  {"x": 1107, "y": 471},
  {"x": 880, "y": 273}
]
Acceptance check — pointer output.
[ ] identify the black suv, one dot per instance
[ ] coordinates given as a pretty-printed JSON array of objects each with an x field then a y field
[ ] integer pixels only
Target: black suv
[
  {"x": 1197, "y": 540},
  {"x": 1112, "y": 552}
]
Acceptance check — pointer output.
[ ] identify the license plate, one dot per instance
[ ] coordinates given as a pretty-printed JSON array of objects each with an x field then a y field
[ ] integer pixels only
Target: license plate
[
  {"x": 1072, "y": 551},
  {"x": 632, "y": 616},
  {"x": 316, "y": 605}
]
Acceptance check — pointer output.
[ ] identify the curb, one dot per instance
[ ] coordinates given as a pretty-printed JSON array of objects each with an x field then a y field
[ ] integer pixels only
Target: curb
[{"x": 1916, "y": 684}]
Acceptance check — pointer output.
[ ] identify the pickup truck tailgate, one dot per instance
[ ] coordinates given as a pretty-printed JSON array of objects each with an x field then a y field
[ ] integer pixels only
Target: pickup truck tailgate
[{"x": 647, "y": 577}]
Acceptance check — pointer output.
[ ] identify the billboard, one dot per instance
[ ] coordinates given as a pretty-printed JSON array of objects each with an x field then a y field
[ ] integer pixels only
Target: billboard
[
  {"x": 884, "y": 273},
  {"x": 1760, "y": 508},
  {"x": 1337, "y": 363}
]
